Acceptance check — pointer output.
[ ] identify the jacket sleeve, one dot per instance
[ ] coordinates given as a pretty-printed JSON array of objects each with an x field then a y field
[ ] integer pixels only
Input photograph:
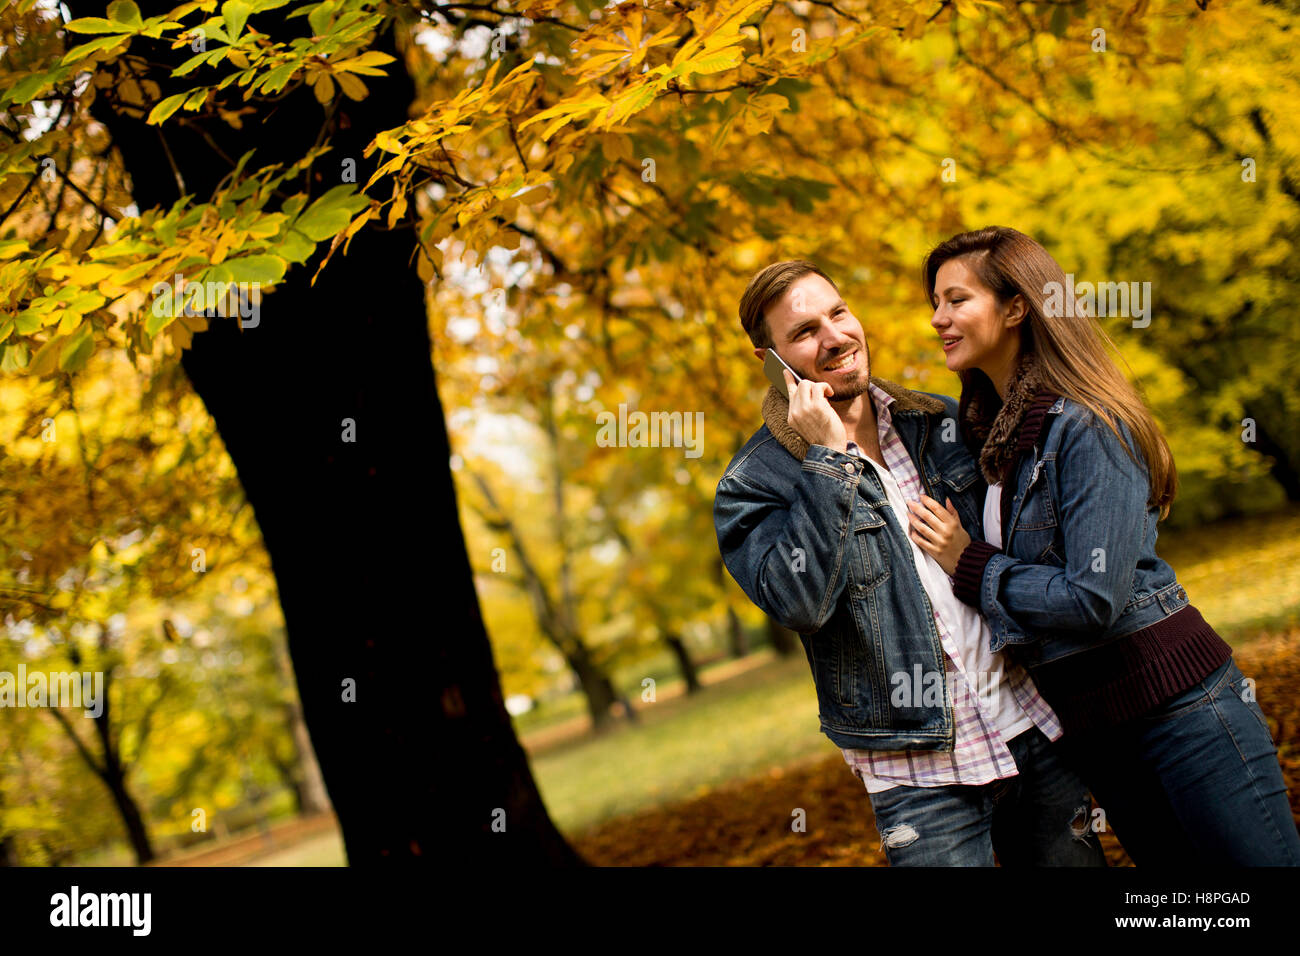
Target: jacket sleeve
[
  {"x": 1101, "y": 499},
  {"x": 790, "y": 555}
]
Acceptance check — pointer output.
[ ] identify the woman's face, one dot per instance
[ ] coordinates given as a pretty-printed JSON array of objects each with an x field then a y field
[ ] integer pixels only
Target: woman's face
[{"x": 975, "y": 331}]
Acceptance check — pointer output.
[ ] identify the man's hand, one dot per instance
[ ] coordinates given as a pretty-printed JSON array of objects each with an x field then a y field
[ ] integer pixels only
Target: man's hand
[
  {"x": 937, "y": 531},
  {"x": 811, "y": 414}
]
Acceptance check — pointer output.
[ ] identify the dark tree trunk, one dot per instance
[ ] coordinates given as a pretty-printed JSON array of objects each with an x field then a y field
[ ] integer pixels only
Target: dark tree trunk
[
  {"x": 303, "y": 771},
  {"x": 736, "y": 633},
  {"x": 684, "y": 662},
  {"x": 113, "y": 774},
  {"x": 364, "y": 537},
  {"x": 598, "y": 691},
  {"x": 784, "y": 641},
  {"x": 132, "y": 819},
  {"x": 1284, "y": 467}
]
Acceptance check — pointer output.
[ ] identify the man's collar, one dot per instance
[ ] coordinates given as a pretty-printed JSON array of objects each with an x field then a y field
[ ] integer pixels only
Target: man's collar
[{"x": 776, "y": 412}]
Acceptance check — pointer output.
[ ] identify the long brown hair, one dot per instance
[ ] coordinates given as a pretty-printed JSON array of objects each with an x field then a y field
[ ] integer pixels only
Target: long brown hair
[{"x": 1072, "y": 351}]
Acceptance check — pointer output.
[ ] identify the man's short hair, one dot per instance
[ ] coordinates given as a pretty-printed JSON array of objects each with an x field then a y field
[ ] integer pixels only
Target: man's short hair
[{"x": 768, "y": 287}]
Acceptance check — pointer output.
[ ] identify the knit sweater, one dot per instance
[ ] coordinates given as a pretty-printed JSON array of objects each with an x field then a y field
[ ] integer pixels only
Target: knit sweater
[{"x": 1123, "y": 678}]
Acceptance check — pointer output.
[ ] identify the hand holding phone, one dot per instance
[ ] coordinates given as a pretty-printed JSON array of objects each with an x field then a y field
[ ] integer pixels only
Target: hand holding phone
[{"x": 810, "y": 412}]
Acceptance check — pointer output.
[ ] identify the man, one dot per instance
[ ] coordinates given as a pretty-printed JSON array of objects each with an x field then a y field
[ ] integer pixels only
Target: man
[{"x": 952, "y": 741}]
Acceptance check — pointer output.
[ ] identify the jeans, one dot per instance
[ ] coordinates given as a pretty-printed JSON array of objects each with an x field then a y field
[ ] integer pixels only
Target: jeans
[
  {"x": 1039, "y": 817},
  {"x": 1196, "y": 781}
]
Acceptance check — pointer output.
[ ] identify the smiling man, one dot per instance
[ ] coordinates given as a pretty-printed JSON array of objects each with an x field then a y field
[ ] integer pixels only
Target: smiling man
[{"x": 953, "y": 742}]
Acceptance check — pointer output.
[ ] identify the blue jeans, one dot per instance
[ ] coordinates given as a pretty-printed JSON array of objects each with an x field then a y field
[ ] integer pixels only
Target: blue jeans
[
  {"x": 1194, "y": 782},
  {"x": 1040, "y": 817}
]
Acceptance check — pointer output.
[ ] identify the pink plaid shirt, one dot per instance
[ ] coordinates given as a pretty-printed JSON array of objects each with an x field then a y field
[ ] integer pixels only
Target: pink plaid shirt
[{"x": 980, "y": 754}]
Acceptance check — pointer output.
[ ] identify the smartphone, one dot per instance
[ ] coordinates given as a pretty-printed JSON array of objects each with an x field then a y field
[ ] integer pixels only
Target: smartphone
[{"x": 772, "y": 367}]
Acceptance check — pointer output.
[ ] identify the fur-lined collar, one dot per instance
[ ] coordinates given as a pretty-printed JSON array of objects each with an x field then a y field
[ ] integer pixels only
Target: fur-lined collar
[
  {"x": 992, "y": 427},
  {"x": 776, "y": 412}
]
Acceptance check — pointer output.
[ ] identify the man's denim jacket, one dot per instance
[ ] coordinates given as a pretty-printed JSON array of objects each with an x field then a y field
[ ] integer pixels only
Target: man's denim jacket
[
  {"x": 808, "y": 534},
  {"x": 1078, "y": 564}
]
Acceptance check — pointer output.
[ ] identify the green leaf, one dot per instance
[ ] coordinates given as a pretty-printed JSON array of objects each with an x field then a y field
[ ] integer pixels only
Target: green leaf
[
  {"x": 15, "y": 358},
  {"x": 274, "y": 81},
  {"x": 166, "y": 108},
  {"x": 296, "y": 248},
  {"x": 103, "y": 43},
  {"x": 235, "y": 13},
  {"x": 1060, "y": 21},
  {"x": 156, "y": 323},
  {"x": 199, "y": 58},
  {"x": 27, "y": 321},
  {"x": 125, "y": 11},
  {"x": 45, "y": 357},
  {"x": 26, "y": 88},
  {"x": 320, "y": 17},
  {"x": 94, "y": 25},
  {"x": 331, "y": 213},
  {"x": 77, "y": 349},
  {"x": 263, "y": 269}
]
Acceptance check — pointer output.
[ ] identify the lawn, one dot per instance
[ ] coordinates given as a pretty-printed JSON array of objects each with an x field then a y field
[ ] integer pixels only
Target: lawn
[{"x": 1244, "y": 577}]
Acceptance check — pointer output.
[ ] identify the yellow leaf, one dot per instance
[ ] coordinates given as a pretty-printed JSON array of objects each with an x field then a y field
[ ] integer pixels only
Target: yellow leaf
[
  {"x": 323, "y": 87},
  {"x": 352, "y": 86}
]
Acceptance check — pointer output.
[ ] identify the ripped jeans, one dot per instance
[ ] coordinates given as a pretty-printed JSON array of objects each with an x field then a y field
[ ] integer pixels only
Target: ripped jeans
[{"x": 1042, "y": 816}]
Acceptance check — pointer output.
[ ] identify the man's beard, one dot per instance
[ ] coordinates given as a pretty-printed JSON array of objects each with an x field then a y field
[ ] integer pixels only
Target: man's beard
[
  {"x": 852, "y": 389},
  {"x": 860, "y": 383}
]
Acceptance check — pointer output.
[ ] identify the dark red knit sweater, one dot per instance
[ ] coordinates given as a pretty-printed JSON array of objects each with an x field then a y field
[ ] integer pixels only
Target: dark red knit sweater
[{"x": 1123, "y": 678}]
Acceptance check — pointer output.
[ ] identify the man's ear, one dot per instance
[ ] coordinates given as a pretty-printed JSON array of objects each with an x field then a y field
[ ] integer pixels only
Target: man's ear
[{"x": 760, "y": 354}]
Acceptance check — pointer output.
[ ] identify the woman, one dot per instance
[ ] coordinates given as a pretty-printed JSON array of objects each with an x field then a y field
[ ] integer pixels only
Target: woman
[{"x": 1158, "y": 719}]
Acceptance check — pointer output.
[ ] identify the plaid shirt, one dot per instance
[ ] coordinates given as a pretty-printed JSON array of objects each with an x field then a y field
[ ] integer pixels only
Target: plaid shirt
[{"x": 980, "y": 754}]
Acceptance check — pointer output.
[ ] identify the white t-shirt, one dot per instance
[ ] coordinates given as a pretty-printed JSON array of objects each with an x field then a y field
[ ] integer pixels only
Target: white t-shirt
[
  {"x": 967, "y": 627},
  {"x": 993, "y": 515}
]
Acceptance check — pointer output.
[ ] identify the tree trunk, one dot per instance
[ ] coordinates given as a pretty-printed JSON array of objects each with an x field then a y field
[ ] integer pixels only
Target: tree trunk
[
  {"x": 598, "y": 691},
  {"x": 684, "y": 662},
  {"x": 305, "y": 777},
  {"x": 132, "y": 819},
  {"x": 784, "y": 641},
  {"x": 397, "y": 681},
  {"x": 736, "y": 633}
]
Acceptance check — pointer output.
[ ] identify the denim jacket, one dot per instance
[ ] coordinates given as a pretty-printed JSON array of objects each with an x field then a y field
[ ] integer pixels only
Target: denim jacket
[
  {"x": 808, "y": 534},
  {"x": 1078, "y": 565}
]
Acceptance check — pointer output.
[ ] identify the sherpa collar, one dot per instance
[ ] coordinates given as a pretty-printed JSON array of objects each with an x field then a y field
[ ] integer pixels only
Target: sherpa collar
[
  {"x": 776, "y": 412},
  {"x": 993, "y": 429}
]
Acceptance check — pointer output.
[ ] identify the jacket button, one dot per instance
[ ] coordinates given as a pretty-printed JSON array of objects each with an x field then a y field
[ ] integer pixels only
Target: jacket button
[
  {"x": 1181, "y": 594},
  {"x": 850, "y": 467}
]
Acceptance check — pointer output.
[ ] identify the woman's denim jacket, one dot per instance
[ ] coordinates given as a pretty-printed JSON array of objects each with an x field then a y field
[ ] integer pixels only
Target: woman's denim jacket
[
  {"x": 1078, "y": 564},
  {"x": 815, "y": 544}
]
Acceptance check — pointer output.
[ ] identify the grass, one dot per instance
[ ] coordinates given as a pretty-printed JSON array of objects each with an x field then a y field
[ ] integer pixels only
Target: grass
[
  {"x": 763, "y": 718},
  {"x": 1243, "y": 575}
]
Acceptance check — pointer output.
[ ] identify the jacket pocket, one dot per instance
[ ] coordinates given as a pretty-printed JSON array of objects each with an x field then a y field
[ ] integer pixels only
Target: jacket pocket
[
  {"x": 872, "y": 564},
  {"x": 1037, "y": 510},
  {"x": 835, "y": 659}
]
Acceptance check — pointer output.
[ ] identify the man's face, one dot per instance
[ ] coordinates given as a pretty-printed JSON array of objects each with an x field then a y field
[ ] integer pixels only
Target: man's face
[{"x": 817, "y": 335}]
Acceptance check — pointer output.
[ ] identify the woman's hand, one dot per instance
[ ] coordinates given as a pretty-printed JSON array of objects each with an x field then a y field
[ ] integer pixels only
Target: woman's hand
[{"x": 938, "y": 531}]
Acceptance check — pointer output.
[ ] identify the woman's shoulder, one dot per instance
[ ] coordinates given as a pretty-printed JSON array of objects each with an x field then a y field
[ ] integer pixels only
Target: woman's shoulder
[{"x": 1074, "y": 424}]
